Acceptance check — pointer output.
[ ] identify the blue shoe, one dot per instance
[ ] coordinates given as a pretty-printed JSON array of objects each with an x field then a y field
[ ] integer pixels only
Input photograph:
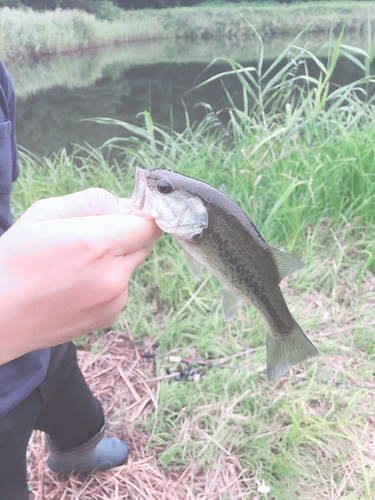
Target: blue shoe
[{"x": 97, "y": 454}]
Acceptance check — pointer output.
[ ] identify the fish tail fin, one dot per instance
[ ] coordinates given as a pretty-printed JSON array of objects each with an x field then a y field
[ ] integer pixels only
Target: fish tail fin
[{"x": 286, "y": 350}]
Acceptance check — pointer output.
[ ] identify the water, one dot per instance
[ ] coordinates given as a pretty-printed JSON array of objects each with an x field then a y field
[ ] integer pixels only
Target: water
[{"x": 54, "y": 94}]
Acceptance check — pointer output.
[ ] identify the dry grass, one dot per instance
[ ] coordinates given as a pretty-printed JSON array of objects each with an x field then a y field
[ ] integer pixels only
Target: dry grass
[
  {"x": 125, "y": 384},
  {"x": 116, "y": 376}
]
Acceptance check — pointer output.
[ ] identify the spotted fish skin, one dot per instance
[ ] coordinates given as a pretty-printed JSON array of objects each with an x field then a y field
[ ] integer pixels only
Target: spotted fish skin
[{"x": 215, "y": 233}]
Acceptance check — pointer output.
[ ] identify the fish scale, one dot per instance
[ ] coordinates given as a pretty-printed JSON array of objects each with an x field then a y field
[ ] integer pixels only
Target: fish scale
[
  {"x": 215, "y": 233},
  {"x": 239, "y": 271}
]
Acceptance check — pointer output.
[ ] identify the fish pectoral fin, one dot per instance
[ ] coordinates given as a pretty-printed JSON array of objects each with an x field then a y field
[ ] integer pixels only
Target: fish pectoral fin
[
  {"x": 286, "y": 263},
  {"x": 194, "y": 266},
  {"x": 286, "y": 350},
  {"x": 231, "y": 303}
]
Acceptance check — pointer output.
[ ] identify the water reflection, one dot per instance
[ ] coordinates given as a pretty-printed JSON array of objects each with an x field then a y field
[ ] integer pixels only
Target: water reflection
[{"x": 55, "y": 93}]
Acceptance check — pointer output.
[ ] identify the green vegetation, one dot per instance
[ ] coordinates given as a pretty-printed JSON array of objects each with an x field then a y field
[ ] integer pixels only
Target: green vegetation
[
  {"x": 106, "y": 8},
  {"x": 299, "y": 157},
  {"x": 111, "y": 61},
  {"x": 26, "y": 32},
  {"x": 125, "y": 88}
]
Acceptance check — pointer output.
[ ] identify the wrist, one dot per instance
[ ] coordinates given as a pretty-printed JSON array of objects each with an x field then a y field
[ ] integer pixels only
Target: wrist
[{"x": 13, "y": 313}]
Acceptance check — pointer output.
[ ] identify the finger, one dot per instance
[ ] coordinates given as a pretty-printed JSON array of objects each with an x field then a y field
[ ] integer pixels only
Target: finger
[
  {"x": 125, "y": 203},
  {"x": 141, "y": 213},
  {"x": 132, "y": 261},
  {"x": 108, "y": 313},
  {"x": 127, "y": 234},
  {"x": 91, "y": 202},
  {"x": 119, "y": 234},
  {"x": 115, "y": 277},
  {"x": 116, "y": 306}
]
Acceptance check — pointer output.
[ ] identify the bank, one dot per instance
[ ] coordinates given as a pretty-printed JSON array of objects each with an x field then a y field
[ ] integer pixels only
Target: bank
[{"x": 25, "y": 33}]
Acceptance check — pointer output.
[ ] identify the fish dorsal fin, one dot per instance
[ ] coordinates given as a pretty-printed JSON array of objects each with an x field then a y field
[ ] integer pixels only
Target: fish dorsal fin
[
  {"x": 231, "y": 303},
  {"x": 194, "y": 266},
  {"x": 286, "y": 263}
]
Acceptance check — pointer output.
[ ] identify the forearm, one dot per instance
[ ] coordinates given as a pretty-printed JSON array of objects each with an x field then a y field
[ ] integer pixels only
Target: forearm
[{"x": 16, "y": 338}]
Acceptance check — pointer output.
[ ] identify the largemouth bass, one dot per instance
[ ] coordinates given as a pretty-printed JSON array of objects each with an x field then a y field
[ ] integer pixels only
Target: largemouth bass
[{"x": 215, "y": 233}]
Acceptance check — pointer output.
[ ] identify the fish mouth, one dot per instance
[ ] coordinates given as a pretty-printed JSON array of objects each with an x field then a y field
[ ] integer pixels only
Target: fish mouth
[
  {"x": 139, "y": 193},
  {"x": 139, "y": 196}
]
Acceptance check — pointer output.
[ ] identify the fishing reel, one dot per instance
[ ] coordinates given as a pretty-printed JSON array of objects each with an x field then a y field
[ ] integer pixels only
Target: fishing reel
[{"x": 184, "y": 375}]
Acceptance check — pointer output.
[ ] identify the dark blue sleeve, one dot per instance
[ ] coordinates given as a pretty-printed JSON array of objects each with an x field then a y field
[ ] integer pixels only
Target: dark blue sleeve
[{"x": 9, "y": 158}]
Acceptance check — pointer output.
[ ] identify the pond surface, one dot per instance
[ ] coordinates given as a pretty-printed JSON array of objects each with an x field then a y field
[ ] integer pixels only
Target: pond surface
[{"x": 54, "y": 94}]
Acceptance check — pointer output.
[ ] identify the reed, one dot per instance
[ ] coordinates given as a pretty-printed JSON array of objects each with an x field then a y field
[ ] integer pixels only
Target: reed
[{"x": 28, "y": 33}]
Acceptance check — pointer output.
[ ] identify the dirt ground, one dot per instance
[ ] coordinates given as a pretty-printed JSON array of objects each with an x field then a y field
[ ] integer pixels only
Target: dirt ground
[{"x": 123, "y": 382}]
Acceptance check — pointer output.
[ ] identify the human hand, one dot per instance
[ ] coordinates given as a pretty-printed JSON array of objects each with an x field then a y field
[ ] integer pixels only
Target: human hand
[{"x": 65, "y": 266}]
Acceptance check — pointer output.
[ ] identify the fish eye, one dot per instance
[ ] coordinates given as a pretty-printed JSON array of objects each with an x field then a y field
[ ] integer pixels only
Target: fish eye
[{"x": 164, "y": 186}]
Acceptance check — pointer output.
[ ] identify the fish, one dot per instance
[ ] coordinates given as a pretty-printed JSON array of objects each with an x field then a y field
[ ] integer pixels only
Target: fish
[{"x": 217, "y": 234}]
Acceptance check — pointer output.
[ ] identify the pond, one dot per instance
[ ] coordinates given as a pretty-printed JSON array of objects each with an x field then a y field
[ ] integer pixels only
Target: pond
[{"x": 55, "y": 94}]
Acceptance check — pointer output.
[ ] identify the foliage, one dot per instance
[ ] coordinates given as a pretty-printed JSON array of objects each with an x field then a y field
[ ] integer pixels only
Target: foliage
[
  {"x": 298, "y": 156},
  {"x": 121, "y": 81},
  {"x": 29, "y": 33},
  {"x": 97, "y": 7},
  {"x": 24, "y": 32}
]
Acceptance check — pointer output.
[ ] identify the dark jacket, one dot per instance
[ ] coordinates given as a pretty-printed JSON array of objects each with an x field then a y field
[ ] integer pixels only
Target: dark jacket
[
  {"x": 9, "y": 164},
  {"x": 19, "y": 377}
]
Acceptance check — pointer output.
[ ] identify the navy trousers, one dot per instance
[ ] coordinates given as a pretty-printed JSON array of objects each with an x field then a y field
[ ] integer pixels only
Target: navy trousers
[{"x": 63, "y": 406}]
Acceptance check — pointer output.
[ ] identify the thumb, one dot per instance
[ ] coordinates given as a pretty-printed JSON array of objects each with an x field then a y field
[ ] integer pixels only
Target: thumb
[
  {"x": 91, "y": 202},
  {"x": 126, "y": 234},
  {"x": 120, "y": 234}
]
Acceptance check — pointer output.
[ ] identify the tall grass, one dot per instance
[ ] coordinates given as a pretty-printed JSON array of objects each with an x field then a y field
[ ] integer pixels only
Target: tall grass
[
  {"x": 298, "y": 157},
  {"x": 29, "y": 33},
  {"x": 25, "y": 32}
]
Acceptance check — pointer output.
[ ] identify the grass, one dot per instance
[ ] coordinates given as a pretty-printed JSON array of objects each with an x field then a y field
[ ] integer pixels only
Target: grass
[
  {"x": 24, "y": 32},
  {"x": 298, "y": 157}
]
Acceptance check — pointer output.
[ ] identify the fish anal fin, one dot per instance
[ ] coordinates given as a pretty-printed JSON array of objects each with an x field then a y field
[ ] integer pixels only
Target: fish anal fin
[
  {"x": 284, "y": 351},
  {"x": 194, "y": 266},
  {"x": 231, "y": 303},
  {"x": 285, "y": 263}
]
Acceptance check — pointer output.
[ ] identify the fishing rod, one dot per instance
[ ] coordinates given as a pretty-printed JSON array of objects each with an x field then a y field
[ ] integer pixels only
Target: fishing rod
[
  {"x": 188, "y": 361},
  {"x": 193, "y": 375},
  {"x": 187, "y": 373}
]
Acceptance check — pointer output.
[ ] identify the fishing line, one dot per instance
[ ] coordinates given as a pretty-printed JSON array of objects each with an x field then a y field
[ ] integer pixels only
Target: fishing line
[
  {"x": 188, "y": 373},
  {"x": 178, "y": 359}
]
